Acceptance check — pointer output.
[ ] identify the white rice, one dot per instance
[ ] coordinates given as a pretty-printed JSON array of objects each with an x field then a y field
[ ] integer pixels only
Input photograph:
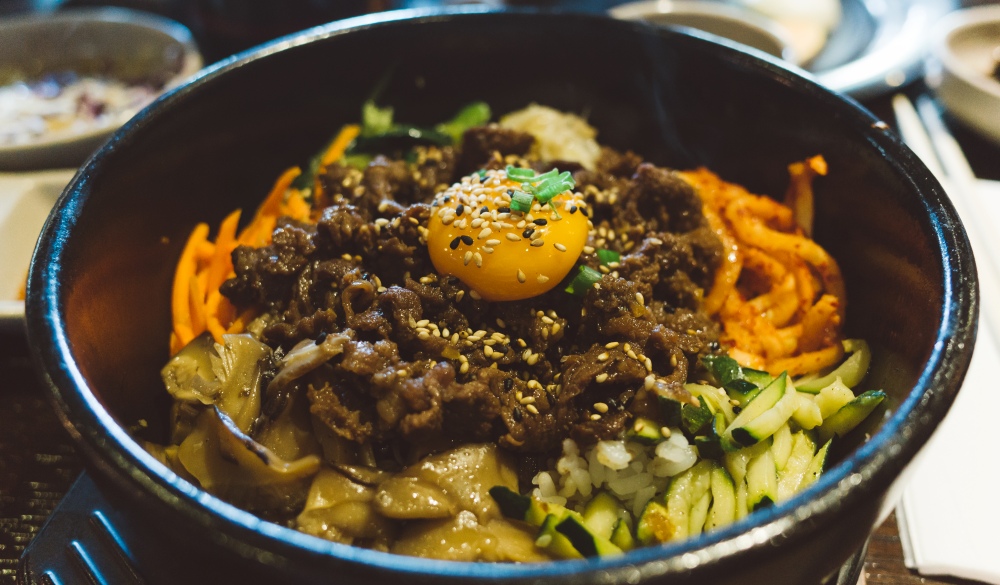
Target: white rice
[{"x": 631, "y": 471}]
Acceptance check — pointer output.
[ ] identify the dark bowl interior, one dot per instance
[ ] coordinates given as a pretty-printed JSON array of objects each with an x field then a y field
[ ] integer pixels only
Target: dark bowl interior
[{"x": 98, "y": 308}]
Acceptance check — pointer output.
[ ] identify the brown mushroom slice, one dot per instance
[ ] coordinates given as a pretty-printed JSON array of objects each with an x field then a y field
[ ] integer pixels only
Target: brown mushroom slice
[
  {"x": 227, "y": 375},
  {"x": 364, "y": 475},
  {"x": 459, "y": 538},
  {"x": 410, "y": 498},
  {"x": 340, "y": 509},
  {"x": 290, "y": 434},
  {"x": 515, "y": 542},
  {"x": 466, "y": 474},
  {"x": 231, "y": 465}
]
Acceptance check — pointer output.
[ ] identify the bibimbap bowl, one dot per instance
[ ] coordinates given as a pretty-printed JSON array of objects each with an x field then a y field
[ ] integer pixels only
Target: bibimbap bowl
[{"x": 99, "y": 312}]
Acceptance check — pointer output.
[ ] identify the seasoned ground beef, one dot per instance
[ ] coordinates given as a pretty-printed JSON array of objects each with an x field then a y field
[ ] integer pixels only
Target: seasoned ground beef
[{"x": 427, "y": 363}]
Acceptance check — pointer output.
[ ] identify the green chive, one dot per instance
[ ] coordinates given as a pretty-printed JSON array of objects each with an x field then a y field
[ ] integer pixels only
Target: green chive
[
  {"x": 608, "y": 256},
  {"x": 585, "y": 278},
  {"x": 519, "y": 174},
  {"x": 521, "y": 201}
]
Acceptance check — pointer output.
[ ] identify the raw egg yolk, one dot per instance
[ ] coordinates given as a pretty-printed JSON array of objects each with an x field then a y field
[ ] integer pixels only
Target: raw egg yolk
[{"x": 505, "y": 254}]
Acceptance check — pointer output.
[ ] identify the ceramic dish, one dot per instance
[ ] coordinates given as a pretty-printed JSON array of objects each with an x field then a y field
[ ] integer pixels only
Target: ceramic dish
[
  {"x": 134, "y": 48},
  {"x": 961, "y": 70},
  {"x": 25, "y": 202},
  {"x": 98, "y": 307}
]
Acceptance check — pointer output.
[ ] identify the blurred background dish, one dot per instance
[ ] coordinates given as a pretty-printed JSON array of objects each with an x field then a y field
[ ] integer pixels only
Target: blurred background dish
[
  {"x": 729, "y": 21},
  {"x": 25, "y": 202},
  {"x": 963, "y": 68},
  {"x": 70, "y": 78}
]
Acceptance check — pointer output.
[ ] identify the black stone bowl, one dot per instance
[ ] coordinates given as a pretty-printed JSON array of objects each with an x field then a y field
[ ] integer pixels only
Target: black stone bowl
[{"x": 98, "y": 295}]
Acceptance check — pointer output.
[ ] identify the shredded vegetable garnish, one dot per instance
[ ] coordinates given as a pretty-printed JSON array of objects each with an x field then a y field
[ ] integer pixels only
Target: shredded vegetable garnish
[{"x": 586, "y": 277}]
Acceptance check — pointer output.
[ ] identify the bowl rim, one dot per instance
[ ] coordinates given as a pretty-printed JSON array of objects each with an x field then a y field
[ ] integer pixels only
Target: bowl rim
[
  {"x": 111, "y": 450},
  {"x": 192, "y": 61}
]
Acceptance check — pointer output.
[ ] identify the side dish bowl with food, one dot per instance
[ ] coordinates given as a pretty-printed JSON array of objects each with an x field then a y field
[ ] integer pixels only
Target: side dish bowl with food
[{"x": 655, "y": 328}]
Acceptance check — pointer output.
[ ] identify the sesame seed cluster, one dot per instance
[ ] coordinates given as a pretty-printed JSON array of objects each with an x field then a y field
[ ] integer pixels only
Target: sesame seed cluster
[{"x": 480, "y": 206}]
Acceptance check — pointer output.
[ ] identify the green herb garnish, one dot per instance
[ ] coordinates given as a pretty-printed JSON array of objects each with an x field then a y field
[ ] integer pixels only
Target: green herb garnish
[
  {"x": 585, "y": 278},
  {"x": 607, "y": 257}
]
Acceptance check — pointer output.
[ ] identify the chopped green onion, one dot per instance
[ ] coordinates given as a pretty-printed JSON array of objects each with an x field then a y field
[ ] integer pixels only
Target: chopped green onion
[
  {"x": 519, "y": 174},
  {"x": 608, "y": 256},
  {"x": 481, "y": 173},
  {"x": 521, "y": 201},
  {"x": 375, "y": 120},
  {"x": 585, "y": 278},
  {"x": 474, "y": 114}
]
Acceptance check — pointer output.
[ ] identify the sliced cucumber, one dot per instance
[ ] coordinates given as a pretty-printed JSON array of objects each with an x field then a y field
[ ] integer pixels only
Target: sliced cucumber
[
  {"x": 622, "y": 537},
  {"x": 717, "y": 399},
  {"x": 763, "y": 416},
  {"x": 654, "y": 524},
  {"x": 851, "y": 371},
  {"x": 699, "y": 513},
  {"x": 807, "y": 414},
  {"x": 781, "y": 446},
  {"x": 790, "y": 477},
  {"x": 686, "y": 489},
  {"x": 602, "y": 513},
  {"x": 584, "y": 540},
  {"x": 694, "y": 418},
  {"x": 741, "y": 384},
  {"x": 526, "y": 508},
  {"x": 710, "y": 444},
  {"x": 762, "y": 481},
  {"x": 554, "y": 542},
  {"x": 833, "y": 398},
  {"x": 850, "y": 415},
  {"x": 723, "y": 499},
  {"x": 645, "y": 430},
  {"x": 816, "y": 466}
]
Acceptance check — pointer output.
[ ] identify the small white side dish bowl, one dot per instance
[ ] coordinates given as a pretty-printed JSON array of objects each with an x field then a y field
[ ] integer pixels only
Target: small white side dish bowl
[
  {"x": 25, "y": 202},
  {"x": 964, "y": 54},
  {"x": 729, "y": 21},
  {"x": 106, "y": 43}
]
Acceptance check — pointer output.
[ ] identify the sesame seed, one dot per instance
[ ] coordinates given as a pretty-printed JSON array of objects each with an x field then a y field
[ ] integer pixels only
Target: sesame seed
[
  {"x": 611, "y": 345},
  {"x": 492, "y": 242},
  {"x": 649, "y": 381},
  {"x": 540, "y": 222},
  {"x": 423, "y": 323},
  {"x": 526, "y": 233},
  {"x": 601, "y": 378},
  {"x": 547, "y": 320},
  {"x": 673, "y": 360},
  {"x": 531, "y": 408},
  {"x": 475, "y": 296},
  {"x": 734, "y": 402},
  {"x": 467, "y": 258},
  {"x": 528, "y": 400},
  {"x": 533, "y": 359},
  {"x": 488, "y": 351},
  {"x": 638, "y": 297},
  {"x": 488, "y": 249},
  {"x": 479, "y": 259},
  {"x": 454, "y": 243},
  {"x": 467, "y": 240},
  {"x": 588, "y": 249},
  {"x": 542, "y": 279},
  {"x": 520, "y": 276},
  {"x": 381, "y": 222},
  {"x": 631, "y": 354},
  {"x": 414, "y": 221},
  {"x": 600, "y": 407},
  {"x": 603, "y": 357},
  {"x": 559, "y": 247},
  {"x": 649, "y": 364},
  {"x": 516, "y": 413},
  {"x": 464, "y": 368},
  {"x": 460, "y": 209},
  {"x": 476, "y": 223},
  {"x": 485, "y": 233},
  {"x": 638, "y": 426},
  {"x": 513, "y": 237},
  {"x": 595, "y": 417},
  {"x": 538, "y": 243},
  {"x": 665, "y": 431}
]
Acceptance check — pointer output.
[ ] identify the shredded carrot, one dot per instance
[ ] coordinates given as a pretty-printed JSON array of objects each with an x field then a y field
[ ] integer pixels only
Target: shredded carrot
[
  {"x": 197, "y": 302},
  {"x": 272, "y": 205},
  {"x": 183, "y": 275},
  {"x": 221, "y": 263},
  {"x": 340, "y": 143}
]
